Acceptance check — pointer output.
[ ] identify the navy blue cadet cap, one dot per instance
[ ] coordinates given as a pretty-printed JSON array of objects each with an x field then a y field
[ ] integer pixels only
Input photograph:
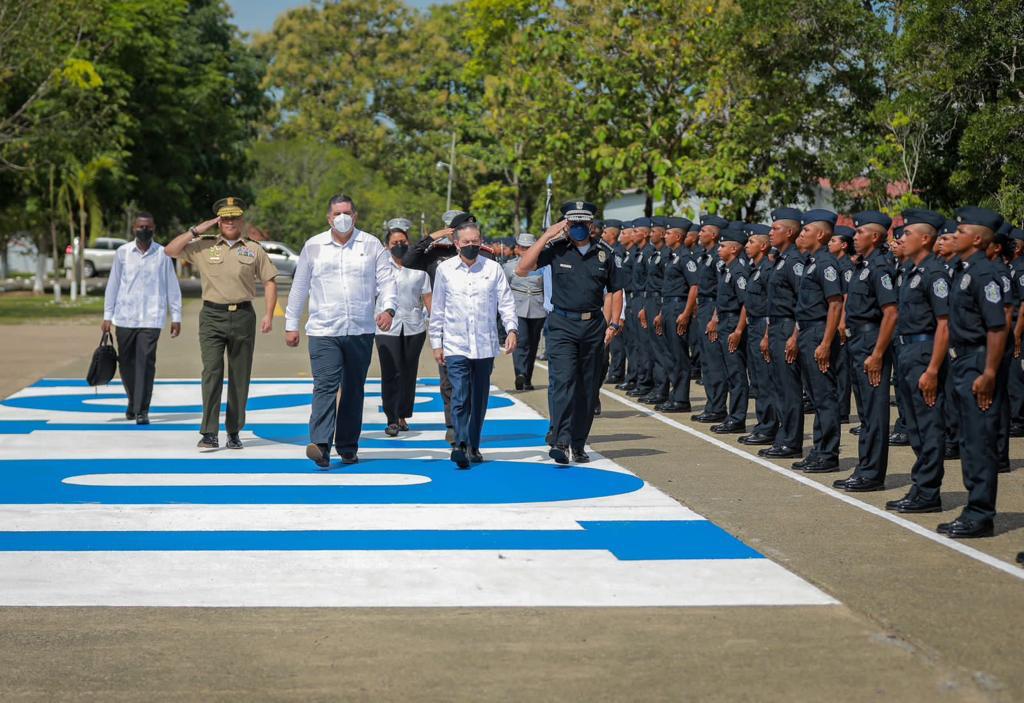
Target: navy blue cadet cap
[
  {"x": 713, "y": 221},
  {"x": 695, "y": 227},
  {"x": 733, "y": 234},
  {"x": 461, "y": 219},
  {"x": 613, "y": 224},
  {"x": 948, "y": 227},
  {"x": 786, "y": 213},
  {"x": 845, "y": 233},
  {"x": 872, "y": 217},
  {"x": 679, "y": 223},
  {"x": 758, "y": 229},
  {"x": 642, "y": 222},
  {"x": 897, "y": 233},
  {"x": 917, "y": 216},
  {"x": 1017, "y": 233},
  {"x": 659, "y": 222},
  {"x": 979, "y": 216},
  {"x": 818, "y": 215}
]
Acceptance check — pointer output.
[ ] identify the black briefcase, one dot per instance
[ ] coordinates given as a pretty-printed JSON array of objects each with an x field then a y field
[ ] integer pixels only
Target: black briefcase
[{"x": 104, "y": 362}]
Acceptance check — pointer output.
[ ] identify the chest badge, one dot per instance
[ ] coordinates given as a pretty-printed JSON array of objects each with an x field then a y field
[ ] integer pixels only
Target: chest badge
[
  {"x": 215, "y": 255},
  {"x": 965, "y": 282},
  {"x": 602, "y": 256},
  {"x": 915, "y": 281},
  {"x": 864, "y": 275}
]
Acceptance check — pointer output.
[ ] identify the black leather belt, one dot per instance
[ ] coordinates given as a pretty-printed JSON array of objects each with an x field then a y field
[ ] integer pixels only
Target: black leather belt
[
  {"x": 862, "y": 328},
  {"x": 573, "y": 315},
  {"x": 914, "y": 338},
  {"x": 230, "y": 307},
  {"x": 752, "y": 319},
  {"x": 957, "y": 352}
]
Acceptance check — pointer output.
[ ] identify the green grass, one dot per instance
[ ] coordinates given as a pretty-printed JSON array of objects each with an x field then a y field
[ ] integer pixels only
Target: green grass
[{"x": 28, "y": 308}]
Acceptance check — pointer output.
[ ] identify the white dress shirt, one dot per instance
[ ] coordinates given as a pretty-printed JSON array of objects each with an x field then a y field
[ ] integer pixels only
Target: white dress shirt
[
  {"x": 465, "y": 306},
  {"x": 410, "y": 314},
  {"x": 141, "y": 286},
  {"x": 342, "y": 281}
]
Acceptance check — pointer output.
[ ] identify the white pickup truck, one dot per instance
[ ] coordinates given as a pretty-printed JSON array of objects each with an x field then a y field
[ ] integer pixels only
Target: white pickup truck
[{"x": 99, "y": 258}]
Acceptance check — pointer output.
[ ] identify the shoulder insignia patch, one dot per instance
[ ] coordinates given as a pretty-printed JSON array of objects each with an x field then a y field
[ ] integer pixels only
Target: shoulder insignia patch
[
  {"x": 741, "y": 283},
  {"x": 830, "y": 273},
  {"x": 847, "y": 275},
  {"x": 691, "y": 266},
  {"x": 940, "y": 288},
  {"x": 798, "y": 269},
  {"x": 886, "y": 281},
  {"x": 780, "y": 264},
  {"x": 992, "y": 292},
  {"x": 602, "y": 255}
]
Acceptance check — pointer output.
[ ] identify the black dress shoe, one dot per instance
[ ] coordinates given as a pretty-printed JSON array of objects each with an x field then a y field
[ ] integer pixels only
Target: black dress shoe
[
  {"x": 807, "y": 408},
  {"x": 803, "y": 463},
  {"x": 822, "y": 466},
  {"x": 349, "y": 457},
  {"x": 637, "y": 393},
  {"x": 475, "y": 456},
  {"x": 967, "y": 529},
  {"x": 129, "y": 414},
  {"x": 142, "y": 419},
  {"x": 675, "y": 406},
  {"x": 392, "y": 430},
  {"x": 1017, "y": 429},
  {"x": 654, "y": 400},
  {"x": 319, "y": 455},
  {"x": 597, "y": 409},
  {"x": 1003, "y": 469},
  {"x": 899, "y": 439},
  {"x": 756, "y": 439},
  {"x": 459, "y": 457},
  {"x": 233, "y": 441},
  {"x": 782, "y": 452},
  {"x": 208, "y": 441},
  {"x": 729, "y": 428},
  {"x": 699, "y": 381},
  {"x": 560, "y": 453},
  {"x": 528, "y": 387},
  {"x": 951, "y": 451},
  {"x": 914, "y": 504},
  {"x": 855, "y": 431},
  {"x": 708, "y": 418},
  {"x": 520, "y": 382},
  {"x": 403, "y": 424},
  {"x": 858, "y": 484},
  {"x": 1020, "y": 558},
  {"x": 580, "y": 456},
  {"x": 627, "y": 386},
  {"x": 844, "y": 420}
]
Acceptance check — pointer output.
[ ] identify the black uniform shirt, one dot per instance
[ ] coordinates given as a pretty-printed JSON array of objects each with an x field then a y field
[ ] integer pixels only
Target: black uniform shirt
[
  {"x": 579, "y": 282},
  {"x": 975, "y": 301},
  {"x": 845, "y": 270},
  {"x": 869, "y": 290},
  {"x": 640, "y": 268},
  {"x": 708, "y": 265},
  {"x": 732, "y": 288},
  {"x": 656, "y": 269},
  {"x": 924, "y": 297},
  {"x": 784, "y": 284},
  {"x": 680, "y": 273},
  {"x": 626, "y": 270},
  {"x": 756, "y": 301},
  {"x": 819, "y": 282}
]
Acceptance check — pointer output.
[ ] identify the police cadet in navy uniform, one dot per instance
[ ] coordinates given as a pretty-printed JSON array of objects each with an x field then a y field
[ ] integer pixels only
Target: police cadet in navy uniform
[
  {"x": 1000, "y": 245},
  {"x": 728, "y": 328},
  {"x": 678, "y": 307},
  {"x": 755, "y": 306},
  {"x": 977, "y": 336},
  {"x": 711, "y": 360},
  {"x": 581, "y": 273},
  {"x": 841, "y": 247},
  {"x": 630, "y": 321},
  {"x": 951, "y": 416},
  {"x": 657, "y": 344},
  {"x": 922, "y": 340},
  {"x": 693, "y": 332},
  {"x": 818, "y": 308},
  {"x": 644, "y": 251},
  {"x": 1016, "y": 382},
  {"x": 871, "y": 309},
  {"x": 787, "y": 386},
  {"x": 617, "y": 349}
]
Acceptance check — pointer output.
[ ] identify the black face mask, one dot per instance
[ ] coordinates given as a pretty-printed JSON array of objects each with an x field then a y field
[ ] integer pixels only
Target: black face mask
[
  {"x": 398, "y": 251},
  {"x": 144, "y": 235},
  {"x": 470, "y": 251}
]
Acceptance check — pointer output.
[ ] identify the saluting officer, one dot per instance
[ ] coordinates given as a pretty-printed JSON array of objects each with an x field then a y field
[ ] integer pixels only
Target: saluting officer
[
  {"x": 577, "y": 332},
  {"x": 678, "y": 306},
  {"x": 922, "y": 342},
  {"x": 819, "y": 303},
  {"x": 755, "y": 306},
  {"x": 230, "y": 266},
  {"x": 871, "y": 311},
  {"x": 711, "y": 361},
  {"x": 783, "y": 286},
  {"x": 977, "y": 336},
  {"x": 658, "y": 344}
]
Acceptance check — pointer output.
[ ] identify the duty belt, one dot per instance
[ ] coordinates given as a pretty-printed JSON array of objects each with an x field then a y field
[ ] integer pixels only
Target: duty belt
[
  {"x": 957, "y": 352},
  {"x": 573, "y": 315},
  {"x": 914, "y": 338},
  {"x": 230, "y": 307},
  {"x": 752, "y": 319},
  {"x": 862, "y": 328}
]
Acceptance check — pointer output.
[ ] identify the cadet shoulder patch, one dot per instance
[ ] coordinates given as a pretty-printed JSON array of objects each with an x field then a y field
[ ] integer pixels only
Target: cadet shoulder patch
[
  {"x": 992, "y": 292},
  {"x": 940, "y": 288},
  {"x": 1022, "y": 280},
  {"x": 618, "y": 261},
  {"x": 886, "y": 281},
  {"x": 830, "y": 273},
  {"x": 602, "y": 255},
  {"x": 1006, "y": 284},
  {"x": 798, "y": 269},
  {"x": 691, "y": 266},
  {"x": 847, "y": 275},
  {"x": 741, "y": 283}
]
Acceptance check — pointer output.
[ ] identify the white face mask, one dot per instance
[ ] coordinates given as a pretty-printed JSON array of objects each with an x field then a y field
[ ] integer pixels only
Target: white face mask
[{"x": 343, "y": 223}]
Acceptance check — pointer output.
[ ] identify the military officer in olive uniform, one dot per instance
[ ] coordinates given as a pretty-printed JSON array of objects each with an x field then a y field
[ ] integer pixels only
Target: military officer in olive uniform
[
  {"x": 678, "y": 306},
  {"x": 922, "y": 340},
  {"x": 977, "y": 336},
  {"x": 230, "y": 267},
  {"x": 870, "y": 316},
  {"x": 582, "y": 272},
  {"x": 755, "y": 305}
]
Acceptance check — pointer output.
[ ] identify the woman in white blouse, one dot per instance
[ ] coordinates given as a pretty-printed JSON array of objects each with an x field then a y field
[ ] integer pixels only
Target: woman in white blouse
[{"x": 399, "y": 348}]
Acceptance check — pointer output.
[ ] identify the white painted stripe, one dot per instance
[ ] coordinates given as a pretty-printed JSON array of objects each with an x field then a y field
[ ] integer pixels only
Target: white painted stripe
[
  {"x": 320, "y": 479},
  {"x": 895, "y": 519}
]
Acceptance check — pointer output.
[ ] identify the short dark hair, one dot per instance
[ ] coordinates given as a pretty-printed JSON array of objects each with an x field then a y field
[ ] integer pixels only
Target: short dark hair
[
  {"x": 143, "y": 215},
  {"x": 339, "y": 199},
  {"x": 392, "y": 232}
]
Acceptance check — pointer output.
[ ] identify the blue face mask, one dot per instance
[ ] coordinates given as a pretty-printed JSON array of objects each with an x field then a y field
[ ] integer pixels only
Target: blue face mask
[{"x": 579, "y": 231}]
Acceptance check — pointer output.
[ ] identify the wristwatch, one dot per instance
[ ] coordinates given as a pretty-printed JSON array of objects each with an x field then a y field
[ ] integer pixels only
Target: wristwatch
[{"x": 615, "y": 326}]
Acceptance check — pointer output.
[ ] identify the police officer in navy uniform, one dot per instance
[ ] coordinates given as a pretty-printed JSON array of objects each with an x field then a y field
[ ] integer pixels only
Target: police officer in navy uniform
[
  {"x": 644, "y": 251},
  {"x": 617, "y": 349},
  {"x": 755, "y": 306},
  {"x": 678, "y": 307},
  {"x": 728, "y": 328},
  {"x": 816, "y": 341},
  {"x": 841, "y": 247},
  {"x": 996, "y": 252},
  {"x": 628, "y": 335},
  {"x": 693, "y": 332},
  {"x": 658, "y": 344},
  {"x": 871, "y": 310},
  {"x": 977, "y": 336},
  {"x": 581, "y": 273},
  {"x": 1016, "y": 381},
  {"x": 787, "y": 385},
  {"x": 944, "y": 249},
  {"x": 711, "y": 360},
  {"x": 922, "y": 341}
]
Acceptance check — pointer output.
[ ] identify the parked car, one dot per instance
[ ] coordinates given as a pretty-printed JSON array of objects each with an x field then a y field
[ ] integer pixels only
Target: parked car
[
  {"x": 282, "y": 256},
  {"x": 99, "y": 258}
]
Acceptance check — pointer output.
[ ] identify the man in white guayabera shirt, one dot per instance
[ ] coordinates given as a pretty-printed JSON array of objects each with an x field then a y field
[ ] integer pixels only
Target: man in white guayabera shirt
[
  {"x": 469, "y": 294},
  {"x": 343, "y": 272},
  {"x": 142, "y": 285}
]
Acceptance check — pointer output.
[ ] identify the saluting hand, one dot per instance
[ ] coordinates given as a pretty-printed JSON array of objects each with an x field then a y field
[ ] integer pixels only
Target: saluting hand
[
  {"x": 204, "y": 227},
  {"x": 555, "y": 230},
  {"x": 442, "y": 233},
  {"x": 982, "y": 388}
]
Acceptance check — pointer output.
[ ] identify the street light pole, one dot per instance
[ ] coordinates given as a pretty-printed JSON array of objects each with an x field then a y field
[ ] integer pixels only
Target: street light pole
[{"x": 450, "y": 165}]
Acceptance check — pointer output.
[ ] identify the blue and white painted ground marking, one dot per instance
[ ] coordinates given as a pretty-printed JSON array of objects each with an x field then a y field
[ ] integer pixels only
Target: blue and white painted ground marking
[{"x": 97, "y": 511}]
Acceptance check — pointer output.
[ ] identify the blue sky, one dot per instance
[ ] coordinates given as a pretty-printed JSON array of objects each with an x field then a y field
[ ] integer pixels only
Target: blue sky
[{"x": 258, "y": 15}]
